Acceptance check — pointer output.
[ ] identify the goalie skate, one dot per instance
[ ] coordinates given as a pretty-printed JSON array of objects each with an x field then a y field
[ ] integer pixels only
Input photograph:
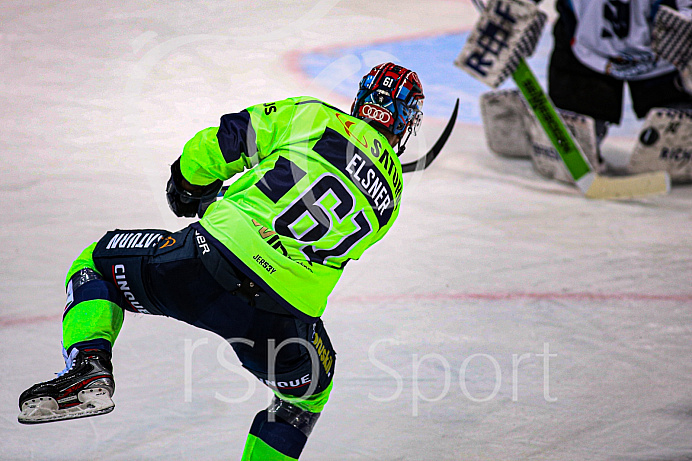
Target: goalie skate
[{"x": 84, "y": 390}]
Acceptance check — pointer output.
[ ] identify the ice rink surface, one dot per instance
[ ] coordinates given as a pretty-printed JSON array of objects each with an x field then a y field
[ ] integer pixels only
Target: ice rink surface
[{"x": 504, "y": 317}]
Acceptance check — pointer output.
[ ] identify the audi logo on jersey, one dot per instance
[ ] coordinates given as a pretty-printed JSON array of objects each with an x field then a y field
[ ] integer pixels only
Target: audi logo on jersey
[{"x": 377, "y": 114}]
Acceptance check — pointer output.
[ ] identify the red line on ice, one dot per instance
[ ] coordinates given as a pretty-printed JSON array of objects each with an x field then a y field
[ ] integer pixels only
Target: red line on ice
[{"x": 19, "y": 321}]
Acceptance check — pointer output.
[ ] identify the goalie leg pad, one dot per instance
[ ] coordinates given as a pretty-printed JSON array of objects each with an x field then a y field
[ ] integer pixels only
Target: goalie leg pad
[
  {"x": 664, "y": 143},
  {"x": 545, "y": 157},
  {"x": 506, "y": 121}
]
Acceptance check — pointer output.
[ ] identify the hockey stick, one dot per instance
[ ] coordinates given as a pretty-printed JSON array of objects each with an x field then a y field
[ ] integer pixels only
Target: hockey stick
[
  {"x": 587, "y": 180},
  {"x": 425, "y": 161}
]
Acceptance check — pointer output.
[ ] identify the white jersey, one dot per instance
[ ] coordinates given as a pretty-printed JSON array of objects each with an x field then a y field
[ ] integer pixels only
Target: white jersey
[{"x": 613, "y": 37}]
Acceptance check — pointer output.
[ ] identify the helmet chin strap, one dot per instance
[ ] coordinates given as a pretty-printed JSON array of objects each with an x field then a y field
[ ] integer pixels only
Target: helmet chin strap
[{"x": 401, "y": 146}]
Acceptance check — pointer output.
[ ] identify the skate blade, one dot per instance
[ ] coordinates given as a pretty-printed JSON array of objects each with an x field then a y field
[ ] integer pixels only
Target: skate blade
[{"x": 96, "y": 401}]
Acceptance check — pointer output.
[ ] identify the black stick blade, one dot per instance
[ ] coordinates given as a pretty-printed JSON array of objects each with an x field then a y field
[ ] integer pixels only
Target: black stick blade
[{"x": 425, "y": 161}]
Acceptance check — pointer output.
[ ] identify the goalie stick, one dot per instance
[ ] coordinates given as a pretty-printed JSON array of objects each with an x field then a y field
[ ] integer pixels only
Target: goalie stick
[
  {"x": 592, "y": 184},
  {"x": 507, "y": 31},
  {"x": 423, "y": 162}
]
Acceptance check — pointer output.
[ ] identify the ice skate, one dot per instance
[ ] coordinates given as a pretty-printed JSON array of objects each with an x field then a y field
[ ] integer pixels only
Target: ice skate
[{"x": 83, "y": 389}]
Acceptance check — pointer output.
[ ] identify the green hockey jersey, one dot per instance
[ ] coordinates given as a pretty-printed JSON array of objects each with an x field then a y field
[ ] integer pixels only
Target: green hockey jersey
[{"x": 320, "y": 188}]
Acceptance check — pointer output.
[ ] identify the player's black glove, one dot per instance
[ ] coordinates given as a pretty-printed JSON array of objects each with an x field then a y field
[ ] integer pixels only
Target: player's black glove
[{"x": 186, "y": 199}]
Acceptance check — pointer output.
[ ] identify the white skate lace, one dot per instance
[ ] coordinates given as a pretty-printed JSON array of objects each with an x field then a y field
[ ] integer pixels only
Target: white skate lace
[{"x": 69, "y": 360}]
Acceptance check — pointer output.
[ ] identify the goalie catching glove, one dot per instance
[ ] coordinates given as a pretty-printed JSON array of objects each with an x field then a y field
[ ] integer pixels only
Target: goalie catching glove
[{"x": 188, "y": 200}]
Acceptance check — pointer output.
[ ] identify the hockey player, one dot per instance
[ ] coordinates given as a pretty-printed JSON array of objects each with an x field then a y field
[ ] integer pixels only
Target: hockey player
[
  {"x": 322, "y": 186},
  {"x": 601, "y": 44}
]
